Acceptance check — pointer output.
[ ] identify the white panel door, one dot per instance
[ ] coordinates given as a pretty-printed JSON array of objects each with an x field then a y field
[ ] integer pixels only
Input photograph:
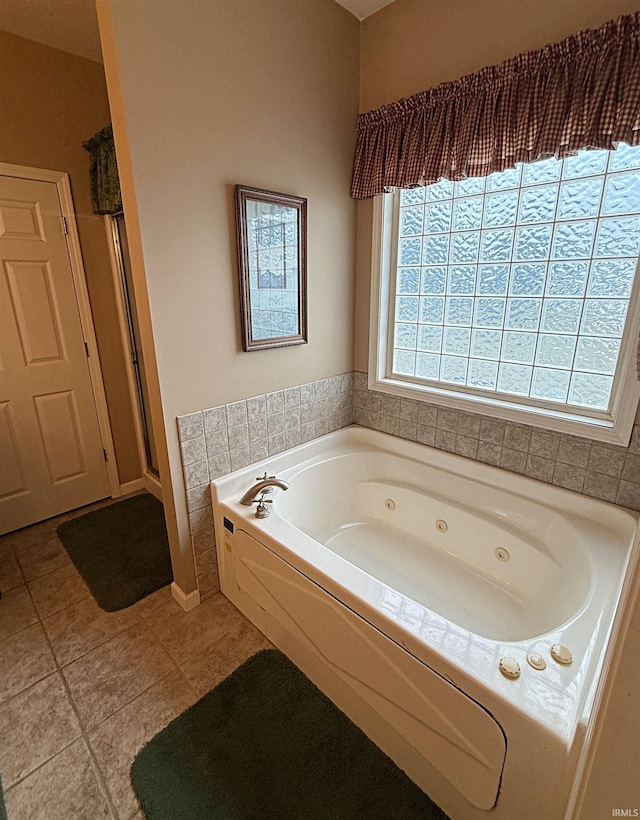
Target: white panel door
[{"x": 51, "y": 456}]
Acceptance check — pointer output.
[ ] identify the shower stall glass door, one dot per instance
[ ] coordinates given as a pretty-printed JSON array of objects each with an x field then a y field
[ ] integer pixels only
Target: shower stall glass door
[{"x": 135, "y": 348}]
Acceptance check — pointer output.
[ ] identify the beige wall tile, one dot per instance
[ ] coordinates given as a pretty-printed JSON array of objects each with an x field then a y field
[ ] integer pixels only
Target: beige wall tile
[
  {"x": 208, "y": 582},
  {"x": 206, "y": 561}
]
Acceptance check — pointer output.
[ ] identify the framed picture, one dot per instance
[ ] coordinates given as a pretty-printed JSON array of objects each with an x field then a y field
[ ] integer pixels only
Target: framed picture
[{"x": 272, "y": 266}]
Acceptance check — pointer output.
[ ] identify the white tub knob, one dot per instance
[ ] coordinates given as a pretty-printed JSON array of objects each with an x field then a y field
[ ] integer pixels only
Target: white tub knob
[
  {"x": 561, "y": 654},
  {"x": 510, "y": 668}
]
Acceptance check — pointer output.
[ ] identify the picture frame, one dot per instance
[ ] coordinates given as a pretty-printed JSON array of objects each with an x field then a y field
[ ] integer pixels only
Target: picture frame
[{"x": 272, "y": 267}]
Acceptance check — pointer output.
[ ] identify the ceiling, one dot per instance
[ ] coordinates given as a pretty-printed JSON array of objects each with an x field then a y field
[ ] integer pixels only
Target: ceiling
[
  {"x": 72, "y": 25},
  {"x": 363, "y": 8}
]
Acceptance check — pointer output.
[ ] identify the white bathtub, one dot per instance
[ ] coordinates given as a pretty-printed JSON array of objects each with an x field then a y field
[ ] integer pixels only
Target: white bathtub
[{"x": 398, "y": 576}]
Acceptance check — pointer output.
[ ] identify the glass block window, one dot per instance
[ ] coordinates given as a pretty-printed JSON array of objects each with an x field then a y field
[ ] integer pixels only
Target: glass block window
[{"x": 519, "y": 283}]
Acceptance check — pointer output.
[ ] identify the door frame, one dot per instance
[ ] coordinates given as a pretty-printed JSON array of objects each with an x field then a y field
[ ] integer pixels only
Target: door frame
[{"x": 61, "y": 180}]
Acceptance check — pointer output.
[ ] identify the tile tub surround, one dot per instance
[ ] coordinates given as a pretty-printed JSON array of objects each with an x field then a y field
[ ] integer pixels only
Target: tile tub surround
[
  {"x": 225, "y": 438},
  {"x": 604, "y": 471}
]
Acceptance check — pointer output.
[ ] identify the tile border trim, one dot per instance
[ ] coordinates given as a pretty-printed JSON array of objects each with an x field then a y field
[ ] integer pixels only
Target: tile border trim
[{"x": 221, "y": 439}]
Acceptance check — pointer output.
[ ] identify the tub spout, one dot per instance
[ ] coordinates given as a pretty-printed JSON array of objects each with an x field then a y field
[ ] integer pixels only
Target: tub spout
[{"x": 250, "y": 496}]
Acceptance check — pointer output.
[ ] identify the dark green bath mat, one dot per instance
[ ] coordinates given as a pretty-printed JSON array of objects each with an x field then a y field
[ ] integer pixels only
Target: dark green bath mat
[
  {"x": 3, "y": 811},
  {"x": 266, "y": 744},
  {"x": 121, "y": 551}
]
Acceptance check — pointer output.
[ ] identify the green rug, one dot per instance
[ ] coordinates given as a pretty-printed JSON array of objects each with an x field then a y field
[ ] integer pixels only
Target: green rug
[
  {"x": 3, "y": 811},
  {"x": 266, "y": 744},
  {"x": 121, "y": 551}
]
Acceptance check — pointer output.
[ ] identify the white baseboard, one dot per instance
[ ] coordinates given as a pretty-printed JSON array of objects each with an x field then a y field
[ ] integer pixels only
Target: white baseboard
[
  {"x": 152, "y": 485},
  {"x": 187, "y": 601},
  {"x": 132, "y": 486}
]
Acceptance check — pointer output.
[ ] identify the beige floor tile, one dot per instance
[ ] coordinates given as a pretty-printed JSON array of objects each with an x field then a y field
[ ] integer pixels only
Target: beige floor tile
[
  {"x": 65, "y": 788},
  {"x": 57, "y": 590},
  {"x": 187, "y": 635},
  {"x": 42, "y": 557},
  {"x": 83, "y": 626},
  {"x": 16, "y": 611},
  {"x": 34, "y": 726},
  {"x": 25, "y": 658},
  {"x": 161, "y": 597},
  {"x": 10, "y": 575},
  {"x": 112, "y": 675},
  {"x": 211, "y": 667},
  {"x": 95, "y": 505},
  {"x": 21, "y": 538},
  {"x": 117, "y": 741}
]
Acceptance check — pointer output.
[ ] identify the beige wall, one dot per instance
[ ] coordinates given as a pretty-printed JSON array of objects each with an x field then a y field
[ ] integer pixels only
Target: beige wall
[
  {"x": 213, "y": 93},
  {"x": 50, "y": 102},
  {"x": 412, "y": 45}
]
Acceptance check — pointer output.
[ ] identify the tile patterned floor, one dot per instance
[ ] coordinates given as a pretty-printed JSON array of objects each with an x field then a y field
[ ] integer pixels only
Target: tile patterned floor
[{"x": 82, "y": 690}]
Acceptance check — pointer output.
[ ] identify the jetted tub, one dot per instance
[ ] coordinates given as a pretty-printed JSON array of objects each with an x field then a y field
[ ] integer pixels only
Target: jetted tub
[{"x": 406, "y": 581}]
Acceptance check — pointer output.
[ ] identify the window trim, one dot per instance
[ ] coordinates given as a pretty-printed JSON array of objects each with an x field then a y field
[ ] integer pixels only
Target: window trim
[{"x": 614, "y": 427}]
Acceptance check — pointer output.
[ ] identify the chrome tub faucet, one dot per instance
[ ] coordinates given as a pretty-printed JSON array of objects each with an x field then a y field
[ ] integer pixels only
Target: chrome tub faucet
[{"x": 264, "y": 485}]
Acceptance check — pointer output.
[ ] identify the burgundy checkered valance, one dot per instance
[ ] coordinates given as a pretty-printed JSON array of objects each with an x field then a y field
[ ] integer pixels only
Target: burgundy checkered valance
[{"x": 583, "y": 92}]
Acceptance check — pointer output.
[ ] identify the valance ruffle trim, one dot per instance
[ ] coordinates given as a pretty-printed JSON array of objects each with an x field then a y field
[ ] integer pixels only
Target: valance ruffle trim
[{"x": 583, "y": 92}]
